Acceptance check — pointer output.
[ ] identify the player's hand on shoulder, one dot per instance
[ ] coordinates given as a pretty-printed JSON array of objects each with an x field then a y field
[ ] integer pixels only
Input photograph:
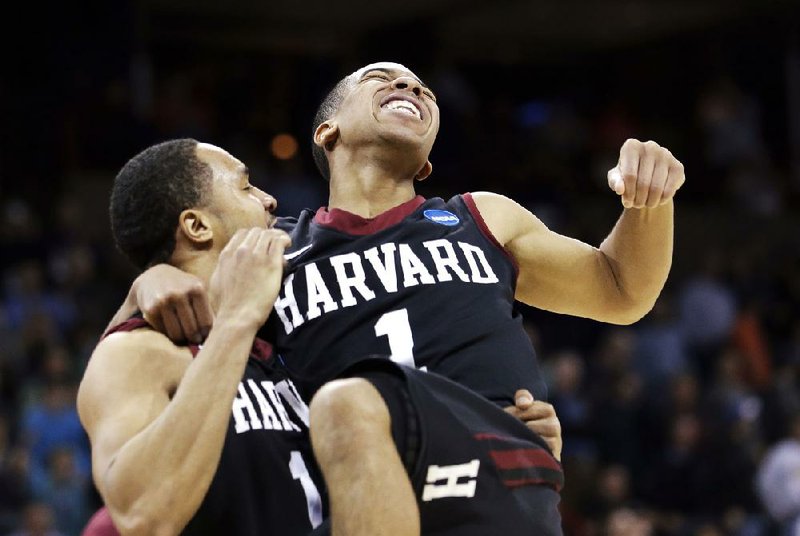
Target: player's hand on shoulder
[
  {"x": 646, "y": 175},
  {"x": 540, "y": 417},
  {"x": 249, "y": 273},
  {"x": 174, "y": 303}
]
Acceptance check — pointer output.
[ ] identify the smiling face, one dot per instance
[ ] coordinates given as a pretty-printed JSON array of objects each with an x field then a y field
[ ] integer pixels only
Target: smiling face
[
  {"x": 387, "y": 104},
  {"x": 410, "y": 96}
]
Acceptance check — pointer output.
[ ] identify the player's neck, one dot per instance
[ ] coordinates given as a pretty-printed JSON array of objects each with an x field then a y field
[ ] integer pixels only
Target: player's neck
[
  {"x": 369, "y": 185},
  {"x": 200, "y": 264}
]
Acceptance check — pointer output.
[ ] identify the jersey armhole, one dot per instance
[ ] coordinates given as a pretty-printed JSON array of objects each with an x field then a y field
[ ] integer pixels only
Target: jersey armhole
[
  {"x": 476, "y": 215},
  {"x": 133, "y": 323}
]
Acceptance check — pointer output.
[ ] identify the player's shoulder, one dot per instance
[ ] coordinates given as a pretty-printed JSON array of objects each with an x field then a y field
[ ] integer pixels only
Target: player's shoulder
[
  {"x": 481, "y": 202},
  {"x": 143, "y": 340},
  {"x": 490, "y": 199},
  {"x": 504, "y": 218},
  {"x": 125, "y": 362},
  {"x": 498, "y": 206},
  {"x": 142, "y": 350}
]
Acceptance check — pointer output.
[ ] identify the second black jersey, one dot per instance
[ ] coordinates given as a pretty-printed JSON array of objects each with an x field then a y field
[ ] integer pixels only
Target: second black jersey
[
  {"x": 425, "y": 282},
  {"x": 267, "y": 481}
]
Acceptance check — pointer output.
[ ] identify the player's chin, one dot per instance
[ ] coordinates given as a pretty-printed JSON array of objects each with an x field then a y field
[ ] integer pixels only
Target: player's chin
[
  {"x": 403, "y": 122},
  {"x": 406, "y": 134}
]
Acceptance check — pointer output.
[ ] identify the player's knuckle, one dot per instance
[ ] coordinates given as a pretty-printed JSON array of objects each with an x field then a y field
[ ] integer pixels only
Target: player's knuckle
[
  {"x": 196, "y": 288},
  {"x": 172, "y": 299},
  {"x": 632, "y": 143}
]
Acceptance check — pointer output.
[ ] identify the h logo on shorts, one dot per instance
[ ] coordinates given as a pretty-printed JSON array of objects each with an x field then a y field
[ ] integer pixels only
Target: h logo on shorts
[{"x": 451, "y": 487}]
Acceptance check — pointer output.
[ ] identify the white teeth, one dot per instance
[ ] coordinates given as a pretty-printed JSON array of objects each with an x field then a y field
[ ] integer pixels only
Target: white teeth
[{"x": 403, "y": 106}]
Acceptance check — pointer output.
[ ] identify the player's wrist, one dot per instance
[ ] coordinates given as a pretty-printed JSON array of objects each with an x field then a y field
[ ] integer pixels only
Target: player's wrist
[{"x": 240, "y": 322}]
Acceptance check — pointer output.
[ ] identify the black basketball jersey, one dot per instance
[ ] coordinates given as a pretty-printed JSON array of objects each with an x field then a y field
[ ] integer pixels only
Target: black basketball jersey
[
  {"x": 425, "y": 282},
  {"x": 267, "y": 481}
]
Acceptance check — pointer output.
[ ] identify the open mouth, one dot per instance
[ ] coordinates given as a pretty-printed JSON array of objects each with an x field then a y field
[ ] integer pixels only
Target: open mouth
[{"x": 402, "y": 104}]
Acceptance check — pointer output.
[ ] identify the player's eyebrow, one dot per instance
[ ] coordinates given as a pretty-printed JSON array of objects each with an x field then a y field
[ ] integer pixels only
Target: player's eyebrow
[{"x": 392, "y": 72}]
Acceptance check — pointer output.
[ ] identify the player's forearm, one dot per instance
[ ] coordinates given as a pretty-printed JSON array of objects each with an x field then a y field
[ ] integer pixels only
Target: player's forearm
[
  {"x": 638, "y": 252},
  {"x": 159, "y": 478}
]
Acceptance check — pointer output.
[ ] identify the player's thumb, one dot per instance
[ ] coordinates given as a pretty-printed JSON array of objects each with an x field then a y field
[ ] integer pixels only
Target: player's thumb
[
  {"x": 523, "y": 398},
  {"x": 615, "y": 181}
]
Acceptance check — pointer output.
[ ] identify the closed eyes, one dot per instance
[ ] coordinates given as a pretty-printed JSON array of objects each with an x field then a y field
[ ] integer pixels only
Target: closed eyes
[{"x": 386, "y": 78}]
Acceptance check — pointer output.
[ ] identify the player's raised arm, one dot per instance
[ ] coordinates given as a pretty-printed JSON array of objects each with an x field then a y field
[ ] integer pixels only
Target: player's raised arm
[
  {"x": 618, "y": 282},
  {"x": 156, "y": 417}
]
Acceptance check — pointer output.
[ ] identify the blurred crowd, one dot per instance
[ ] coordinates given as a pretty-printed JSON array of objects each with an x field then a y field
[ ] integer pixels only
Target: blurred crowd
[{"x": 685, "y": 423}]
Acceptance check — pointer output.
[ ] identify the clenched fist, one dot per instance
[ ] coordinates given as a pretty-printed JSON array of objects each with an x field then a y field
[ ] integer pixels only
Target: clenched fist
[
  {"x": 647, "y": 175},
  {"x": 249, "y": 274}
]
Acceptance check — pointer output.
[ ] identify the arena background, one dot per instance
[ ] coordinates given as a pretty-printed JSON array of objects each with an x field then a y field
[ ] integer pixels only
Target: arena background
[{"x": 666, "y": 422}]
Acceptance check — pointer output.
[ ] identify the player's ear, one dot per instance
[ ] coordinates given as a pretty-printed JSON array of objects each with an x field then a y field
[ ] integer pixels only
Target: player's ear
[
  {"x": 195, "y": 226},
  {"x": 423, "y": 173},
  {"x": 326, "y": 135}
]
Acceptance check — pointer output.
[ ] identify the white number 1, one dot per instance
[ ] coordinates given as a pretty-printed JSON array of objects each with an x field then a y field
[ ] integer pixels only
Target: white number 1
[
  {"x": 396, "y": 327},
  {"x": 313, "y": 501}
]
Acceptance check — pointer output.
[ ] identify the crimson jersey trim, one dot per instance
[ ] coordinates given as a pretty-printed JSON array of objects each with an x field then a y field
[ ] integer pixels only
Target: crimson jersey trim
[
  {"x": 261, "y": 350},
  {"x": 353, "y": 224},
  {"x": 476, "y": 214}
]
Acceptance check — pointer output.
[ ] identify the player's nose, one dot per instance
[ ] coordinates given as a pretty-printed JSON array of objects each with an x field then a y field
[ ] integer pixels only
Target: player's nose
[
  {"x": 270, "y": 203},
  {"x": 408, "y": 83}
]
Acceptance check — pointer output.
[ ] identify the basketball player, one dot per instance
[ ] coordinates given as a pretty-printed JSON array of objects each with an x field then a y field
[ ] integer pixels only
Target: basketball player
[
  {"x": 168, "y": 454},
  {"x": 434, "y": 282},
  {"x": 147, "y": 404}
]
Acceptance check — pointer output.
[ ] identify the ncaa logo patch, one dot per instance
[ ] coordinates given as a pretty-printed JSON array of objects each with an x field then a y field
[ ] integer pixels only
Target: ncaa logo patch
[{"x": 442, "y": 217}]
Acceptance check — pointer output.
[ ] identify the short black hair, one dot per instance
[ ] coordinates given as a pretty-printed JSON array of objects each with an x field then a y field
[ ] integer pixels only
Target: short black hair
[
  {"x": 149, "y": 194},
  {"x": 328, "y": 108}
]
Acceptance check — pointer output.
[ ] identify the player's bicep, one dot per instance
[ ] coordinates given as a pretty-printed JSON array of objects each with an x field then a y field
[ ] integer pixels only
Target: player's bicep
[
  {"x": 562, "y": 274},
  {"x": 117, "y": 399},
  {"x": 556, "y": 272}
]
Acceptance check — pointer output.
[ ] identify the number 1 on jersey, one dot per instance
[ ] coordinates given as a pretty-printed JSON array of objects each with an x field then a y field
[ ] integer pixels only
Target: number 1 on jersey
[
  {"x": 313, "y": 501},
  {"x": 396, "y": 327}
]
